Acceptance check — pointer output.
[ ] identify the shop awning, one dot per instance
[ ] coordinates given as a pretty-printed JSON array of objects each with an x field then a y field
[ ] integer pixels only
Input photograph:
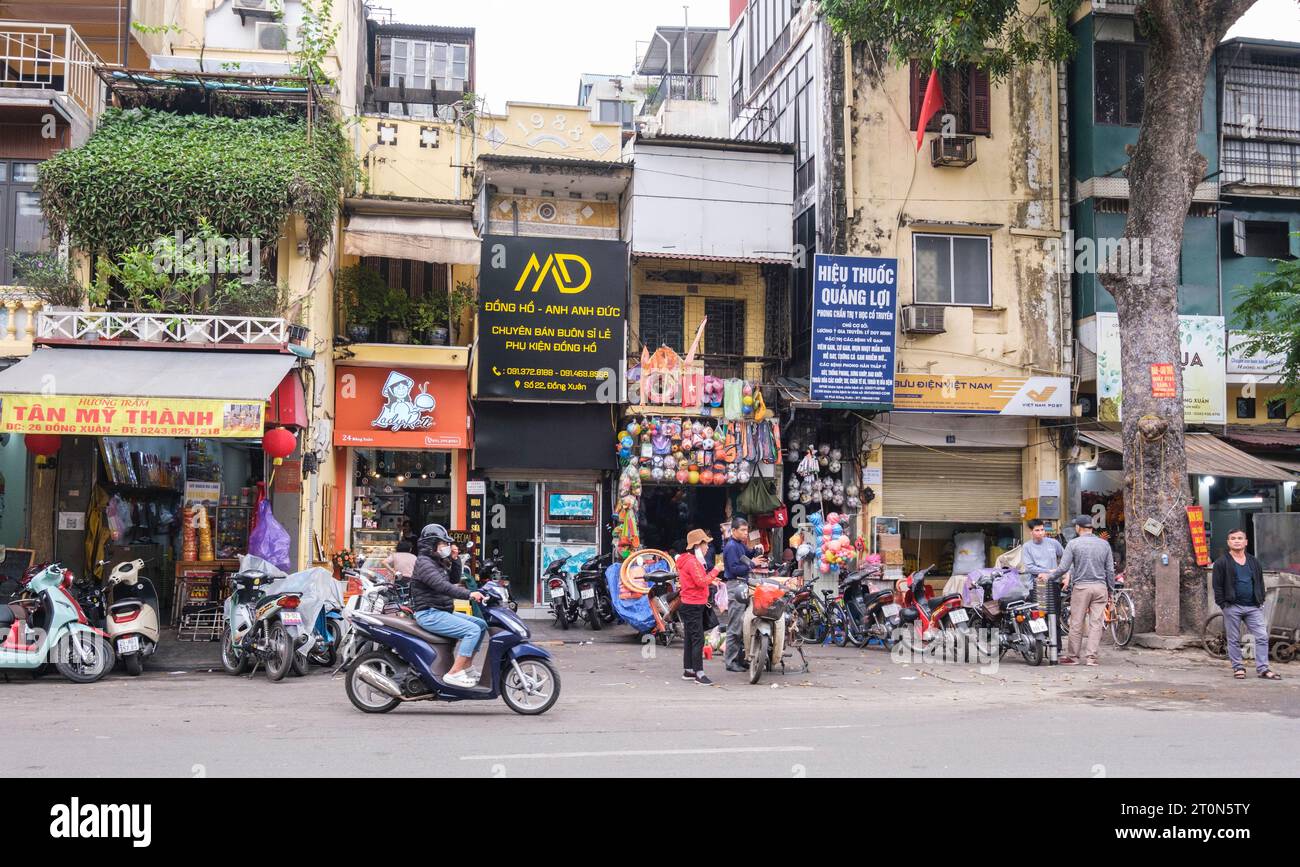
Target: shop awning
[
  {"x": 1290, "y": 466},
  {"x": 1207, "y": 455},
  {"x": 423, "y": 239},
  {"x": 1265, "y": 439},
  {"x": 132, "y": 392}
]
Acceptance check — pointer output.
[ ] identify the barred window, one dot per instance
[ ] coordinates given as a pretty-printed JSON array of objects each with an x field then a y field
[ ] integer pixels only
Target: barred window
[
  {"x": 725, "y": 332},
  {"x": 662, "y": 322}
]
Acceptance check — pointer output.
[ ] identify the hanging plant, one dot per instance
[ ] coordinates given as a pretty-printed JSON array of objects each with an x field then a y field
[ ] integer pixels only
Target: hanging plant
[{"x": 146, "y": 173}]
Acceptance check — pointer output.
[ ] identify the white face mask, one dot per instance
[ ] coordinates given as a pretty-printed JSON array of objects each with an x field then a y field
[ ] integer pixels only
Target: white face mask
[
  {"x": 444, "y": 551},
  {"x": 702, "y": 554}
]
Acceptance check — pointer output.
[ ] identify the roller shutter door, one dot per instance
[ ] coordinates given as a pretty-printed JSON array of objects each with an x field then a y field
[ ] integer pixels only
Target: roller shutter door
[{"x": 976, "y": 486}]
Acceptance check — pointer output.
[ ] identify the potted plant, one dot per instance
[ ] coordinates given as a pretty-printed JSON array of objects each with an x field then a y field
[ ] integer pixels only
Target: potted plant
[
  {"x": 253, "y": 299},
  {"x": 460, "y": 299},
  {"x": 362, "y": 294},
  {"x": 429, "y": 322},
  {"x": 398, "y": 310},
  {"x": 50, "y": 278}
]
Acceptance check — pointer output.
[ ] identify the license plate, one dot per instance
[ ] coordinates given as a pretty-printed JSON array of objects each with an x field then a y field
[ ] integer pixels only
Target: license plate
[
  {"x": 557, "y": 593},
  {"x": 958, "y": 615},
  {"x": 128, "y": 645},
  {"x": 291, "y": 618},
  {"x": 891, "y": 610},
  {"x": 589, "y": 593},
  {"x": 1038, "y": 626}
]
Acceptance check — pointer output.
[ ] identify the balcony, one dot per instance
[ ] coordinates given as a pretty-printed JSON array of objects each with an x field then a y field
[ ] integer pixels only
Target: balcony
[
  {"x": 686, "y": 88},
  {"x": 48, "y": 62},
  {"x": 18, "y": 313},
  {"x": 173, "y": 330}
]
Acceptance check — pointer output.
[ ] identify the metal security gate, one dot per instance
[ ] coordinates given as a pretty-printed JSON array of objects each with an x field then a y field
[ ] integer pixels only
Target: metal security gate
[{"x": 964, "y": 486}]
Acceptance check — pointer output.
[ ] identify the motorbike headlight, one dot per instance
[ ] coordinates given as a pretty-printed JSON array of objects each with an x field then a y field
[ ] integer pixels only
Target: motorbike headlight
[{"x": 517, "y": 627}]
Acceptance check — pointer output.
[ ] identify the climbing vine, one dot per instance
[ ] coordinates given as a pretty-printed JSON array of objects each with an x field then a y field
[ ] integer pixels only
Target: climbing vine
[{"x": 145, "y": 174}]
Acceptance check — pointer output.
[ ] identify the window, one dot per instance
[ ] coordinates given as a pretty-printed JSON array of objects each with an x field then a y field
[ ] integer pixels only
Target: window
[
  {"x": 725, "y": 332},
  {"x": 1277, "y": 410},
  {"x": 421, "y": 65},
  {"x": 22, "y": 226},
  {"x": 617, "y": 111},
  {"x": 966, "y": 96},
  {"x": 1245, "y": 407},
  {"x": 1119, "y": 89},
  {"x": 1263, "y": 238},
  {"x": 951, "y": 269},
  {"x": 662, "y": 322}
]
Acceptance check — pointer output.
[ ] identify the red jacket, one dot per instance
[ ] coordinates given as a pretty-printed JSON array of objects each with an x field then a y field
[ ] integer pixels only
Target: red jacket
[{"x": 693, "y": 579}]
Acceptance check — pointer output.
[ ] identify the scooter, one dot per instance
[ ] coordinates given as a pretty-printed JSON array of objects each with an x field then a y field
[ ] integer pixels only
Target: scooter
[
  {"x": 377, "y": 596},
  {"x": 593, "y": 594},
  {"x": 768, "y": 629},
  {"x": 563, "y": 595},
  {"x": 409, "y": 664},
  {"x": 131, "y": 608},
  {"x": 48, "y": 626},
  {"x": 923, "y": 617},
  {"x": 328, "y": 632},
  {"x": 868, "y": 612},
  {"x": 260, "y": 629},
  {"x": 490, "y": 573}
]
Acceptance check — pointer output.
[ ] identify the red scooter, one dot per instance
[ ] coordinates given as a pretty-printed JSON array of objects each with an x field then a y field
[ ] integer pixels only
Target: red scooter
[{"x": 923, "y": 617}]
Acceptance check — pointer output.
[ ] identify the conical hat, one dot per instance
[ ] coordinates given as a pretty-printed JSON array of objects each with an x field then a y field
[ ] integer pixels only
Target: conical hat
[{"x": 394, "y": 378}]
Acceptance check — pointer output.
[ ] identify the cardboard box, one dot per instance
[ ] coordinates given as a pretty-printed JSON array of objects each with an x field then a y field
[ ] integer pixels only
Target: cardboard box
[
  {"x": 889, "y": 542},
  {"x": 893, "y": 558}
]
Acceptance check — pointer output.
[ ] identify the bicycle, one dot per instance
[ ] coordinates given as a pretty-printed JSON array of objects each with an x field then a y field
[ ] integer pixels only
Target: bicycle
[{"x": 1118, "y": 619}]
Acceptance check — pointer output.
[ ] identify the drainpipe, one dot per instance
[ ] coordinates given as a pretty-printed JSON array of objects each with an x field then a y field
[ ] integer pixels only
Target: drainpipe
[{"x": 686, "y": 41}]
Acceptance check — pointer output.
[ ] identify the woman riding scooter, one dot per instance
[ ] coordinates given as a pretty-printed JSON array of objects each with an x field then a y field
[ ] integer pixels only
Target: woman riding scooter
[{"x": 433, "y": 598}]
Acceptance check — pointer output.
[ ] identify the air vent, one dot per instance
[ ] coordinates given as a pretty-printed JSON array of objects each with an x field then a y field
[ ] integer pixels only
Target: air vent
[
  {"x": 923, "y": 319},
  {"x": 272, "y": 36},
  {"x": 952, "y": 150}
]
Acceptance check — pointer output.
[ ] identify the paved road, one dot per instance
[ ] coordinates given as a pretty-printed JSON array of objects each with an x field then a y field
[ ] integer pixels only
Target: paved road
[{"x": 856, "y": 713}]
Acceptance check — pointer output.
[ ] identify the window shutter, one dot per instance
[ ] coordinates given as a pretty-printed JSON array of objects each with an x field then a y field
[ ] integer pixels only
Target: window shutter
[
  {"x": 1239, "y": 236},
  {"x": 979, "y": 101},
  {"x": 917, "y": 93}
]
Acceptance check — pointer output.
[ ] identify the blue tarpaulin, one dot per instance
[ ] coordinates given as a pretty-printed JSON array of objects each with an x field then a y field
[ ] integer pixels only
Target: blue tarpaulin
[{"x": 634, "y": 612}]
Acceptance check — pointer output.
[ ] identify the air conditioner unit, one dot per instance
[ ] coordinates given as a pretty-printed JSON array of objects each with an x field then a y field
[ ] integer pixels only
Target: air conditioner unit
[
  {"x": 246, "y": 9},
  {"x": 923, "y": 319},
  {"x": 272, "y": 36},
  {"x": 952, "y": 150}
]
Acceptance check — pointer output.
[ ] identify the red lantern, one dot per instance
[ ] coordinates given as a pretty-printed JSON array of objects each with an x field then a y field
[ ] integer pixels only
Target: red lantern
[
  {"x": 44, "y": 446},
  {"x": 278, "y": 444}
]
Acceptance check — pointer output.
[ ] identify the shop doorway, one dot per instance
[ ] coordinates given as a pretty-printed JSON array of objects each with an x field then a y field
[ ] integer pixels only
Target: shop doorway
[
  {"x": 510, "y": 527},
  {"x": 668, "y": 513},
  {"x": 396, "y": 494}
]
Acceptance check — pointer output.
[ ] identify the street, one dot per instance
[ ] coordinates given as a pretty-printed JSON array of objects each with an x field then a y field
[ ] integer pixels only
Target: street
[{"x": 856, "y": 713}]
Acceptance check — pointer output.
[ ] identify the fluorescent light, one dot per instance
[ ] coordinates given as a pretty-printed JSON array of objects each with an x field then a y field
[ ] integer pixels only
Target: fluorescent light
[
  {"x": 1245, "y": 501},
  {"x": 1209, "y": 480}
]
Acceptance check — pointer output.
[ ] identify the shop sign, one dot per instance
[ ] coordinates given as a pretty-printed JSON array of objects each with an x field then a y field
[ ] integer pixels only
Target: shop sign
[
  {"x": 1163, "y": 381},
  {"x": 387, "y": 408},
  {"x": 1202, "y": 344},
  {"x": 1040, "y": 396},
  {"x": 551, "y": 319},
  {"x": 855, "y": 302},
  {"x": 1200, "y": 542},
  {"x": 131, "y": 416},
  {"x": 1265, "y": 368}
]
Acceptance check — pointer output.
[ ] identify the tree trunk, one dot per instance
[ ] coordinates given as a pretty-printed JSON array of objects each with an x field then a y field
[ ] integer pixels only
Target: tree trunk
[{"x": 1163, "y": 173}]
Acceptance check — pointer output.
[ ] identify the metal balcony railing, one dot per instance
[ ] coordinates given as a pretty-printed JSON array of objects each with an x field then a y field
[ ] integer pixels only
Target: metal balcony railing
[
  {"x": 690, "y": 88},
  {"x": 79, "y": 325},
  {"x": 51, "y": 58}
]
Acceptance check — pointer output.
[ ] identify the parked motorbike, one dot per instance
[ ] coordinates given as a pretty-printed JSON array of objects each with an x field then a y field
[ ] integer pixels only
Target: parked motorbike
[
  {"x": 665, "y": 600},
  {"x": 563, "y": 600},
  {"x": 1009, "y": 622},
  {"x": 768, "y": 628},
  {"x": 867, "y": 613},
  {"x": 924, "y": 616},
  {"x": 328, "y": 631},
  {"x": 593, "y": 592},
  {"x": 261, "y": 629},
  {"x": 378, "y": 595},
  {"x": 490, "y": 573},
  {"x": 131, "y": 608},
  {"x": 47, "y": 625},
  {"x": 409, "y": 664}
]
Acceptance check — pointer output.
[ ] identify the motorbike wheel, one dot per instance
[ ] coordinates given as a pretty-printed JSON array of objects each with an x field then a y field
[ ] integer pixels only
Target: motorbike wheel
[
  {"x": 607, "y": 612},
  {"x": 561, "y": 615},
  {"x": 545, "y": 682},
  {"x": 69, "y": 662},
  {"x": 839, "y": 632},
  {"x": 1034, "y": 656},
  {"x": 325, "y": 652},
  {"x": 134, "y": 663},
  {"x": 1214, "y": 638},
  {"x": 299, "y": 667},
  {"x": 282, "y": 653},
  {"x": 363, "y": 696},
  {"x": 758, "y": 657},
  {"x": 593, "y": 618},
  {"x": 233, "y": 660}
]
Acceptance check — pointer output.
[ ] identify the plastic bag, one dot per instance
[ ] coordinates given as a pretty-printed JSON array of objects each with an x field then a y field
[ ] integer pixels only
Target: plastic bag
[
  {"x": 269, "y": 540},
  {"x": 1010, "y": 585},
  {"x": 720, "y": 599},
  {"x": 970, "y": 553}
]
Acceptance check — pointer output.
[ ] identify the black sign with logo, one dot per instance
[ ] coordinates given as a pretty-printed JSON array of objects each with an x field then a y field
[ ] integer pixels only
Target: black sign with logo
[{"x": 551, "y": 319}]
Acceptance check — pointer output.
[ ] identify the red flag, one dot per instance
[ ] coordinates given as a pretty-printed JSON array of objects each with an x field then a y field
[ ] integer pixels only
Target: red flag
[{"x": 929, "y": 106}]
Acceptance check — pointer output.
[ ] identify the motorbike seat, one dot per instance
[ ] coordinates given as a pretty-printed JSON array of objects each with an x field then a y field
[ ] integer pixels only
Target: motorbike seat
[
  {"x": 940, "y": 600},
  {"x": 7, "y": 616},
  {"x": 873, "y": 598},
  {"x": 410, "y": 627},
  {"x": 1014, "y": 596}
]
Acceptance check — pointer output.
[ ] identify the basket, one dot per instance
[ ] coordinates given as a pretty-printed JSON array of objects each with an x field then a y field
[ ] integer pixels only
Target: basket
[
  {"x": 769, "y": 601},
  {"x": 206, "y": 625}
]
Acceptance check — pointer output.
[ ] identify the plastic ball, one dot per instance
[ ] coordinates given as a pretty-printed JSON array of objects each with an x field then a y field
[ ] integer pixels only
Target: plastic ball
[
  {"x": 835, "y": 466},
  {"x": 833, "y": 518},
  {"x": 793, "y": 447},
  {"x": 646, "y": 473},
  {"x": 828, "y": 531},
  {"x": 747, "y": 410},
  {"x": 747, "y": 401},
  {"x": 747, "y": 390},
  {"x": 837, "y": 455},
  {"x": 743, "y": 477},
  {"x": 682, "y": 477},
  {"x": 825, "y": 568},
  {"x": 657, "y": 473},
  {"x": 693, "y": 477},
  {"x": 732, "y": 478},
  {"x": 706, "y": 477}
]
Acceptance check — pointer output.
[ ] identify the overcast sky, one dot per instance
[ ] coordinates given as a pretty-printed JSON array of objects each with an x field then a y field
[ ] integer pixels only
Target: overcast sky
[{"x": 531, "y": 51}]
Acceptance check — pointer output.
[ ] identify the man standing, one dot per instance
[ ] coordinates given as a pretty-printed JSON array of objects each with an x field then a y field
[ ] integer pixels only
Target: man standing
[
  {"x": 1091, "y": 565},
  {"x": 1239, "y": 591},
  {"x": 736, "y": 564},
  {"x": 1040, "y": 555}
]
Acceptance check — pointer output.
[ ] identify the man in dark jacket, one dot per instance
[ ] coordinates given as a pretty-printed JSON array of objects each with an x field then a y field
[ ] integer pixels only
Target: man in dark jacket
[
  {"x": 737, "y": 564},
  {"x": 433, "y": 598},
  {"x": 1239, "y": 590}
]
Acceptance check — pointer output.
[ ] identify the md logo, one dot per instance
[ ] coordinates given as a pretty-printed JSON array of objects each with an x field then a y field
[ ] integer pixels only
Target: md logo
[{"x": 562, "y": 267}]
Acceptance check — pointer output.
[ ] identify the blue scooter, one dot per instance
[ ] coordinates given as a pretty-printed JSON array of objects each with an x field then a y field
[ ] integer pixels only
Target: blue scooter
[
  {"x": 409, "y": 663},
  {"x": 328, "y": 631}
]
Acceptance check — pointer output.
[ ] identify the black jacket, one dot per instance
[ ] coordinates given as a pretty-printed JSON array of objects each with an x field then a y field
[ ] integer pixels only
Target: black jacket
[
  {"x": 432, "y": 587},
  {"x": 1225, "y": 581}
]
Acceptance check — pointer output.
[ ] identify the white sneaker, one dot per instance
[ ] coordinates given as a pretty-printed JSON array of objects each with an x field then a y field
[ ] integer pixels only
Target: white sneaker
[
  {"x": 474, "y": 674},
  {"x": 461, "y": 679}
]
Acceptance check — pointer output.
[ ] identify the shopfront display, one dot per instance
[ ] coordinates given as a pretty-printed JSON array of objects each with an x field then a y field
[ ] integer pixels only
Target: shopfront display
[{"x": 405, "y": 433}]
